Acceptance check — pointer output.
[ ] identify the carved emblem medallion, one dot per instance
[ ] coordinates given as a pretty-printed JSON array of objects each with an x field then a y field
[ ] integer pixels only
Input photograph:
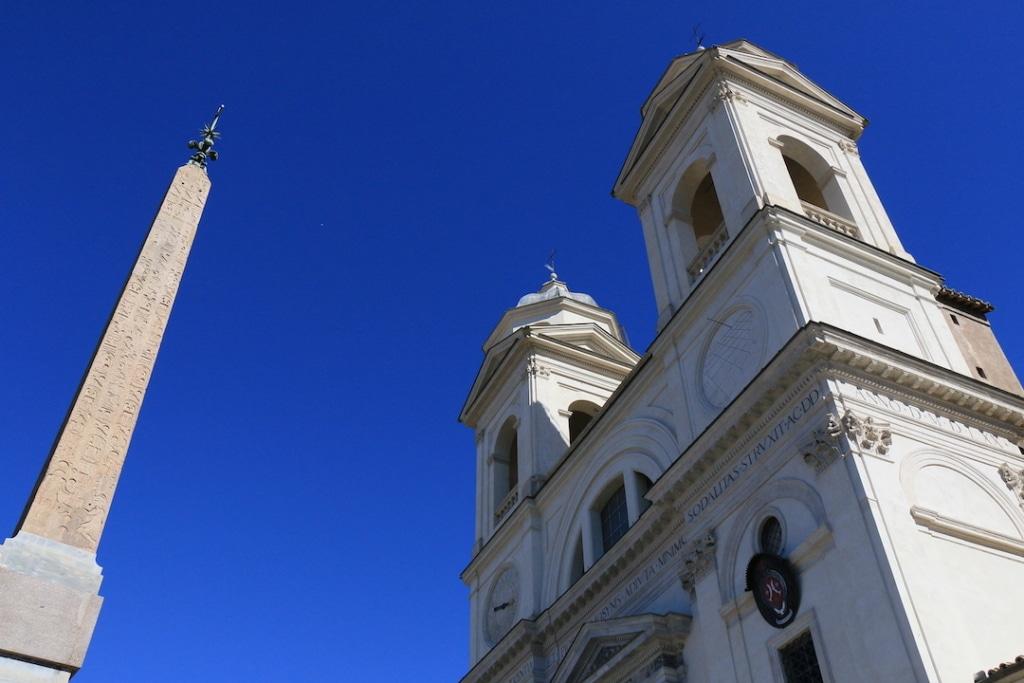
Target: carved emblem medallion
[{"x": 775, "y": 587}]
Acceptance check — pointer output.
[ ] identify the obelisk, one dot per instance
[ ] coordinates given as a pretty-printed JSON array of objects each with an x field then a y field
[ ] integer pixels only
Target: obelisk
[{"x": 49, "y": 578}]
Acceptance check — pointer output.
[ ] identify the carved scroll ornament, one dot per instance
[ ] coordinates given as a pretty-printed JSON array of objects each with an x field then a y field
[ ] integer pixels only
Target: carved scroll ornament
[
  {"x": 698, "y": 561},
  {"x": 824, "y": 449},
  {"x": 1014, "y": 480}
]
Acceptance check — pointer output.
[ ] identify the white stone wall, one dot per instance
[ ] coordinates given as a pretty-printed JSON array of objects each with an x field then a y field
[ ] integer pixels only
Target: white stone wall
[
  {"x": 806, "y": 373},
  {"x": 951, "y": 529}
]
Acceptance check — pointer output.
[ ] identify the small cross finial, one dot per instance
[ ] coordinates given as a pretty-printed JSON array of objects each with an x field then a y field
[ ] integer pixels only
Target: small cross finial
[
  {"x": 204, "y": 148},
  {"x": 698, "y": 36},
  {"x": 550, "y": 265}
]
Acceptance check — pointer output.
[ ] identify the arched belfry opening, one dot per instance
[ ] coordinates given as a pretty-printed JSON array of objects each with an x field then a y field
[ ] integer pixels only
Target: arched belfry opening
[
  {"x": 813, "y": 178},
  {"x": 580, "y": 415},
  {"x": 706, "y": 211},
  {"x": 697, "y": 220},
  {"x": 506, "y": 463},
  {"x": 806, "y": 186}
]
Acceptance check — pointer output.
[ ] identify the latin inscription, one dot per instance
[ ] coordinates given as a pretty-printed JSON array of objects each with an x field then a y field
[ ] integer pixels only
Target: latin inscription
[
  {"x": 642, "y": 578},
  {"x": 751, "y": 457}
]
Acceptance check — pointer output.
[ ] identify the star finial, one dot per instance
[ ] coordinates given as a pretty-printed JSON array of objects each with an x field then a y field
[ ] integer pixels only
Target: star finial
[{"x": 204, "y": 148}]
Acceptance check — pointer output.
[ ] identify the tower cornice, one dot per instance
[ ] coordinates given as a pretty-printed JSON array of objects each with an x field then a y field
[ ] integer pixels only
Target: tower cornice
[
  {"x": 501, "y": 363},
  {"x": 716, "y": 74}
]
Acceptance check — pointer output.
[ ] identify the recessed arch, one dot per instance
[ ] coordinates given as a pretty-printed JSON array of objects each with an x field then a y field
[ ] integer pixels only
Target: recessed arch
[
  {"x": 978, "y": 500},
  {"x": 580, "y": 415},
  {"x": 643, "y": 445},
  {"x": 505, "y": 460},
  {"x": 813, "y": 177},
  {"x": 757, "y": 508},
  {"x": 696, "y": 206}
]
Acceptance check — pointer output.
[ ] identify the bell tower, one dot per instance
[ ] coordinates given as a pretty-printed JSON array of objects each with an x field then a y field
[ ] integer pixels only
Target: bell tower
[
  {"x": 549, "y": 366},
  {"x": 726, "y": 132},
  {"x": 815, "y": 471},
  {"x": 736, "y": 141}
]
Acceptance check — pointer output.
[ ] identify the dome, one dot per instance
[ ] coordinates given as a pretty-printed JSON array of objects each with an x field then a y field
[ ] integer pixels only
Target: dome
[{"x": 554, "y": 289}]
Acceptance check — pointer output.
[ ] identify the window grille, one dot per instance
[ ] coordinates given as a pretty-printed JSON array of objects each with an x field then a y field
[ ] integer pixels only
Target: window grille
[
  {"x": 614, "y": 518},
  {"x": 770, "y": 538},
  {"x": 799, "y": 660}
]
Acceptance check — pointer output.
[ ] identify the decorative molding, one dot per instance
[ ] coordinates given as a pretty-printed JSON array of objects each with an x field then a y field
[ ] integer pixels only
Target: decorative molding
[
  {"x": 819, "y": 350},
  {"x": 933, "y": 521},
  {"x": 1014, "y": 480},
  {"x": 598, "y": 654},
  {"x": 849, "y": 146},
  {"x": 869, "y": 435},
  {"x": 824, "y": 449},
  {"x": 698, "y": 562},
  {"x": 725, "y": 93},
  {"x": 535, "y": 369}
]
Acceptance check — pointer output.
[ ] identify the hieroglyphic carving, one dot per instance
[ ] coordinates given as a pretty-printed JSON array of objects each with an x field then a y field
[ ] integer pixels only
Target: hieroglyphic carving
[
  {"x": 868, "y": 434},
  {"x": 1014, "y": 480},
  {"x": 824, "y": 449},
  {"x": 73, "y": 498},
  {"x": 699, "y": 561}
]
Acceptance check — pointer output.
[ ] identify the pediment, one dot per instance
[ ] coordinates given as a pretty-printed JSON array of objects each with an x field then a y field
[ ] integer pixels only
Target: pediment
[
  {"x": 688, "y": 75},
  {"x": 591, "y": 338},
  {"x": 493, "y": 360},
  {"x": 579, "y": 341},
  {"x": 784, "y": 72},
  {"x": 613, "y": 648}
]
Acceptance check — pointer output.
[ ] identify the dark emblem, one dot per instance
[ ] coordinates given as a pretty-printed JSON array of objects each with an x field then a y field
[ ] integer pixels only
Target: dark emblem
[{"x": 775, "y": 588}]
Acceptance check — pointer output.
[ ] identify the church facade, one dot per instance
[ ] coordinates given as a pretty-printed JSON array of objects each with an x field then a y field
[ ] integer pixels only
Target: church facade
[{"x": 814, "y": 472}]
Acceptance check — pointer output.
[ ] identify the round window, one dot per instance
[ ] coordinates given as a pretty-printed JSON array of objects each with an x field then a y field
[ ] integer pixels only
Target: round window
[{"x": 770, "y": 538}]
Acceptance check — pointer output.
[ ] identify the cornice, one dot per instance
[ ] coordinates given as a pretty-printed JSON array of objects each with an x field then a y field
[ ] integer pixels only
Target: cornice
[
  {"x": 528, "y": 340},
  {"x": 590, "y": 436},
  {"x": 726, "y": 71},
  {"x": 931, "y": 386},
  {"x": 557, "y": 303},
  {"x": 815, "y": 352}
]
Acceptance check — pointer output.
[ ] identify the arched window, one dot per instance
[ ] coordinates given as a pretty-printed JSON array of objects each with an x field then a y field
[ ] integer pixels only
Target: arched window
[
  {"x": 697, "y": 219},
  {"x": 813, "y": 178},
  {"x": 644, "y": 485},
  {"x": 576, "y": 569},
  {"x": 580, "y": 415},
  {"x": 506, "y": 464},
  {"x": 806, "y": 186},
  {"x": 614, "y": 517},
  {"x": 769, "y": 538},
  {"x": 706, "y": 211}
]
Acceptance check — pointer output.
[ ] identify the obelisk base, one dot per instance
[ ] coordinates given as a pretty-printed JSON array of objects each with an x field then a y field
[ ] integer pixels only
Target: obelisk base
[{"x": 49, "y": 601}]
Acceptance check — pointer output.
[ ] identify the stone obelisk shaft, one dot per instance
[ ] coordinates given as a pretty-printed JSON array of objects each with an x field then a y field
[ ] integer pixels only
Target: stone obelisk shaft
[{"x": 72, "y": 499}]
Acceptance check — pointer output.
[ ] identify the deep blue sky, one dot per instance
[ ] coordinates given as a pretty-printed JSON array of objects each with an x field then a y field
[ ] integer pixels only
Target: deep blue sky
[{"x": 297, "y": 502}]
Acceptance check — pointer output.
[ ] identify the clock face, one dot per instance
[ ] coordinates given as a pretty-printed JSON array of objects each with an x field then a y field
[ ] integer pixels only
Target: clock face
[
  {"x": 732, "y": 357},
  {"x": 503, "y": 605}
]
